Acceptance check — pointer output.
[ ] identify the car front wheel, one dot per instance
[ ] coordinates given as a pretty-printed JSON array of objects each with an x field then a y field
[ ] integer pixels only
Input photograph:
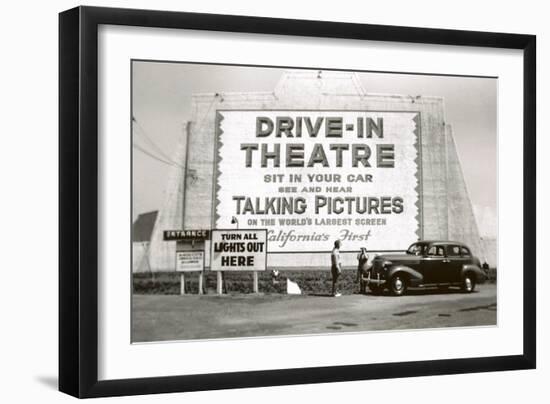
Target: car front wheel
[
  {"x": 398, "y": 285},
  {"x": 468, "y": 283}
]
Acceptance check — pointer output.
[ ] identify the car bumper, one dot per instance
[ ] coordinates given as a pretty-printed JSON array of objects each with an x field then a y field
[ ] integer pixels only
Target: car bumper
[{"x": 376, "y": 281}]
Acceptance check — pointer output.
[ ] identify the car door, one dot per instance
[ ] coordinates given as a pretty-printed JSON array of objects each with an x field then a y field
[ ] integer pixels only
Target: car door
[
  {"x": 466, "y": 258},
  {"x": 433, "y": 264},
  {"x": 452, "y": 264}
]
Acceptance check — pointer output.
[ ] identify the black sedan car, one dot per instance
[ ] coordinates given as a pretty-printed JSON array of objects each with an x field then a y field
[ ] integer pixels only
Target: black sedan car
[{"x": 426, "y": 263}]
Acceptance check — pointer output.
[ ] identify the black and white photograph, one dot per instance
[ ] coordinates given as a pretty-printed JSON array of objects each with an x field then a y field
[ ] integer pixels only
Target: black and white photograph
[{"x": 288, "y": 201}]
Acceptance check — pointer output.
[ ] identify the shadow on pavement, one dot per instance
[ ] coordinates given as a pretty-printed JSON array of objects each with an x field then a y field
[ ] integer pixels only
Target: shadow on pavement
[
  {"x": 435, "y": 291},
  {"x": 427, "y": 291}
]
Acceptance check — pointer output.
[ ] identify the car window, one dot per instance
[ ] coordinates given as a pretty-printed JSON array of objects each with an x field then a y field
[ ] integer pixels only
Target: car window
[
  {"x": 464, "y": 251},
  {"x": 453, "y": 250},
  {"x": 436, "y": 250},
  {"x": 416, "y": 249}
]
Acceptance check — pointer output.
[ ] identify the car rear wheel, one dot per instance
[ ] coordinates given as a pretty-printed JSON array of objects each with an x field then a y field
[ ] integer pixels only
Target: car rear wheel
[
  {"x": 468, "y": 283},
  {"x": 398, "y": 285}
]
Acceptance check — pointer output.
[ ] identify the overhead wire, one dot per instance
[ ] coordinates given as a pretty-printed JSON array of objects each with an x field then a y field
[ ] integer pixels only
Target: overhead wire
[
  {"x": 164, "y": 158},
  {"x": 143, "y": 150},
  {"x": 153, "y": 154},
  {"x": 143, "y": 133}
]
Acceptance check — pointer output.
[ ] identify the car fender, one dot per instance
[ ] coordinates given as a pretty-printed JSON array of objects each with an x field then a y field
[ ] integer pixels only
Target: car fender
[
  {"x": 415, "y": 276},
  {"x": 480, "y": 275}
]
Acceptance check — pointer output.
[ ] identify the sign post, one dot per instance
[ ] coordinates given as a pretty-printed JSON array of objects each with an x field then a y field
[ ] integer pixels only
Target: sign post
[
  {"x": 239, "y": 250},
  {"x": 201, "y": 275},
  {"x": 255, "y": 281},
  {"x": 219, "y": 283}
]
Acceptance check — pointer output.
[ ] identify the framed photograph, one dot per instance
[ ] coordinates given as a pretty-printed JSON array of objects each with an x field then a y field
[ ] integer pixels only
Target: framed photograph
[{"x": 251, "y": 201}]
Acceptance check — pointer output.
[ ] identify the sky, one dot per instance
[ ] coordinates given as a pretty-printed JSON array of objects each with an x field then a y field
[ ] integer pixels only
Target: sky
[{"x": 162, "y": 104}]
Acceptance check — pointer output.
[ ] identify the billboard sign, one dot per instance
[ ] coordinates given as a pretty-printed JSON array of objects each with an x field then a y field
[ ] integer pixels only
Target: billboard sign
[
  {"x": 239, "y": 250},
  {"x": 311, "y": 177},
  {"x": 189, "y": 261}
]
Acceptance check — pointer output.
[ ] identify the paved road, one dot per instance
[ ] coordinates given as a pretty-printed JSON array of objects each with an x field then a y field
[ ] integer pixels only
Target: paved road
[{"x": 161, "y": 318}]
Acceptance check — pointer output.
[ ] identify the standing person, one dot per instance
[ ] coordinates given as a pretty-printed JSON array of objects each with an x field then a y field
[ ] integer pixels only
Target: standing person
[
  {"x": 362, "y": 268},
  {"x": 336, "y": 267}
]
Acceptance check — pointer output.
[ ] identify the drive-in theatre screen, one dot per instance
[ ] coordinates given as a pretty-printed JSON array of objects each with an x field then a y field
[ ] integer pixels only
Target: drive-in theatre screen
[{"x": 312, "y": 177}]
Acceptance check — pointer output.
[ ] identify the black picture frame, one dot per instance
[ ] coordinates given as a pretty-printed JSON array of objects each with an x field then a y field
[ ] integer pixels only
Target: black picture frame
[{"x": 78, "y": 200}]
